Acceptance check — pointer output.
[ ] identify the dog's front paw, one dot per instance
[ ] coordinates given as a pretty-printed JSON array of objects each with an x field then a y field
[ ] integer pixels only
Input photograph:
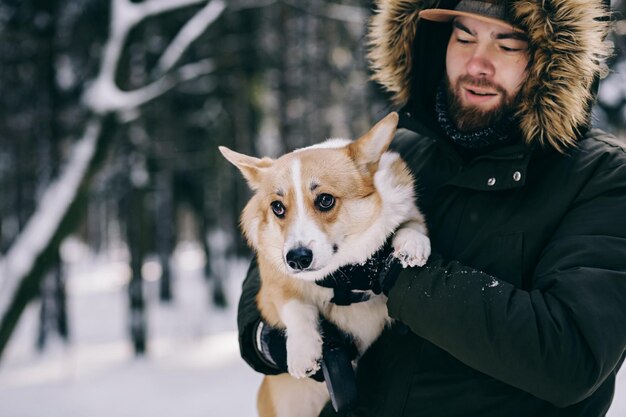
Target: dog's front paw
[
  {"x": 411, "y": 247},
  {"x": 304, "y": 355}
]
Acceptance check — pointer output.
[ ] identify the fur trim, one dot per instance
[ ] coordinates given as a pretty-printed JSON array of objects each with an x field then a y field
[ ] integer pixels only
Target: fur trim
[
  {"x": 392, "y": 31},
  {"x": 568, "y": 52}
]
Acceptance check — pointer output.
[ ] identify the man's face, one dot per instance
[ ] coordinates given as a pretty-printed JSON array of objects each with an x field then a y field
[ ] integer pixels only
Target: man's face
[{"x": 486, "y": 67}]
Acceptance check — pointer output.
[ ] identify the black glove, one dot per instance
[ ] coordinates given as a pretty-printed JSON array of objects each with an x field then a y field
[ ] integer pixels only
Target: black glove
[
  {"x": 350, "y": 282},
  {"x": 271, "y": 345}
]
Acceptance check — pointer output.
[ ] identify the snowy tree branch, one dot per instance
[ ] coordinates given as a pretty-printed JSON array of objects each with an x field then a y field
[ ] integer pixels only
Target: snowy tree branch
[
  {"x": 190, "y": 32},
  {"x": 42, "y": 225},
  {"x": 55, "y": 215},
  {"x": 104, "y": 95}
]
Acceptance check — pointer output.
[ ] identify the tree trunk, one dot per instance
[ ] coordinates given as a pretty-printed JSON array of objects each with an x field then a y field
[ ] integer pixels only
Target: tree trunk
[
  {"x": 29, "y": 285},
  {"x": 134, "y": 212},
  {"x": 164, "y": 232}
]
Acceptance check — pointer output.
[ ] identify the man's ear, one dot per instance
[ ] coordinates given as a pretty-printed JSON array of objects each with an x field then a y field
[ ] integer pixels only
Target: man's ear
[
  {"x": 252, "y": 168},
  {"x": 367, "y": 150}
]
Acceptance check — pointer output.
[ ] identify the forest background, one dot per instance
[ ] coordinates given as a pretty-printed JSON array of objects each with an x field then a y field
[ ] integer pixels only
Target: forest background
[{"x": 110, "y": 117}]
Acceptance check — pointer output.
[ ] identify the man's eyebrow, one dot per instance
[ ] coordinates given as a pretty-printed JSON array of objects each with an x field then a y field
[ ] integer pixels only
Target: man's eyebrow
[
  {"x": 462, "y": 27},
  {"x": 518, "y": 36},
  {"x": 513, "y": 35}
]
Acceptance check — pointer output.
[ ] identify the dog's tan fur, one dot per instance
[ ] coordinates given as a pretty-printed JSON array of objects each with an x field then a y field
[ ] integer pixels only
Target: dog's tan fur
[{"x": 360, "y": 221}]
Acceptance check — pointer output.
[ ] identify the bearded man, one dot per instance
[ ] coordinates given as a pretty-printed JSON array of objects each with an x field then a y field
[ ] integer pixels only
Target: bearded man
[{"x": 521, "y": 309}]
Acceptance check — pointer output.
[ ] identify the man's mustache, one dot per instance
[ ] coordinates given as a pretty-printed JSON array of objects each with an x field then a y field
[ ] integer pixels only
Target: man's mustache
[{"x": 480, "y": 83}]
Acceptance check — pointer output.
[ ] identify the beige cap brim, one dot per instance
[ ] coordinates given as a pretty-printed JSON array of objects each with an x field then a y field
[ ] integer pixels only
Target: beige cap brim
[{"x": 446, "y": 15}]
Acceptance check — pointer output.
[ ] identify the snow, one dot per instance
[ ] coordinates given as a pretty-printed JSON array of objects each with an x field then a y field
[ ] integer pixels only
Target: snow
[
  {"x": 65, "y": 75},
  {"x": 193, "y": 368},
  {"x": 613, "y": 89},
  {"x": 42, "y": 225},
  {"x": 618, "y": 409},
  {"x": 493, "y": 283}
]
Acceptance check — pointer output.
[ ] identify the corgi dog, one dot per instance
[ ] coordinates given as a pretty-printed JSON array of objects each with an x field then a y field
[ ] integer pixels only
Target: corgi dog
[{"x": 314, "y": 210}]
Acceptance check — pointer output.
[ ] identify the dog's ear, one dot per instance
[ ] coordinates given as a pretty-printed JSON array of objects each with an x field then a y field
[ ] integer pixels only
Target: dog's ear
[
  {"x": 252, "y": 168},
  {"x": 367, "y": 150}
]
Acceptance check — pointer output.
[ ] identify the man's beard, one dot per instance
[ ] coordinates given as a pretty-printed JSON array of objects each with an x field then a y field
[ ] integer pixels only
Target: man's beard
[{"x": 470, "y": 118}]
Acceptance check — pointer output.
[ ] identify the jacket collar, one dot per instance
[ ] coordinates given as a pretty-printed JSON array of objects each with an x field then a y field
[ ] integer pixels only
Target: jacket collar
[{"x": 501, "y": 169}]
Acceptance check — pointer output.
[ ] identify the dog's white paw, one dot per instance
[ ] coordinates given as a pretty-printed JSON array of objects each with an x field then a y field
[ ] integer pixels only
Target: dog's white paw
[
  {"x": 411, "y": 247},
  {"x": 304, "y": 355}
]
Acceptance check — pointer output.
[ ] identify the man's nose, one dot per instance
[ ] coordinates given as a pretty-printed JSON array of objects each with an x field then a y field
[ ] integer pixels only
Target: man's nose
[{"x": 480, "y": 64}]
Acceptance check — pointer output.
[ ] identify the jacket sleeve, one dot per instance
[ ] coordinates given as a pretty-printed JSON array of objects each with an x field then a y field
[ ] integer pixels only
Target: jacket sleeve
[
  {"x": 560, "y": 340},
  {"x": 248, "y": 317}
]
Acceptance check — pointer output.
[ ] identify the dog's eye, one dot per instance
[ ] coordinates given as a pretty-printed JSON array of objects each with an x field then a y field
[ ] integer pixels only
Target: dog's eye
[
  {"x": 325, "y": 202},
  {"x": 279, "y": 209}
]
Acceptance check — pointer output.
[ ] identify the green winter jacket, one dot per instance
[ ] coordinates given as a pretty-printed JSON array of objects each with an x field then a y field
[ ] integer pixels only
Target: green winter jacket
[{"x": 521, "y": 310}]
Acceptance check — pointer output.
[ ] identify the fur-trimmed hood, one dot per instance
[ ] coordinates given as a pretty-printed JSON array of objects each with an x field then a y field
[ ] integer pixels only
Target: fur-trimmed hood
[{"x": 568, "y": 50}]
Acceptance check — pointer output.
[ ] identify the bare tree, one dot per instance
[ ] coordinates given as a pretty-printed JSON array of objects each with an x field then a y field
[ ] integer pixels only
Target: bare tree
[
  {"x": 269, "y": 75},
  {"x": 59, "y": 210}
]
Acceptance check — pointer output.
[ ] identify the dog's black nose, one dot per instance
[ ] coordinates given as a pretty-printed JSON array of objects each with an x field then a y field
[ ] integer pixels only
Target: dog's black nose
[{"x": 299, "y": 258}]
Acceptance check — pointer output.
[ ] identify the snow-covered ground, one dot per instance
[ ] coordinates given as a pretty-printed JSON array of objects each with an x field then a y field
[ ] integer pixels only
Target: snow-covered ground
[{"x": 193, "y": 367}]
